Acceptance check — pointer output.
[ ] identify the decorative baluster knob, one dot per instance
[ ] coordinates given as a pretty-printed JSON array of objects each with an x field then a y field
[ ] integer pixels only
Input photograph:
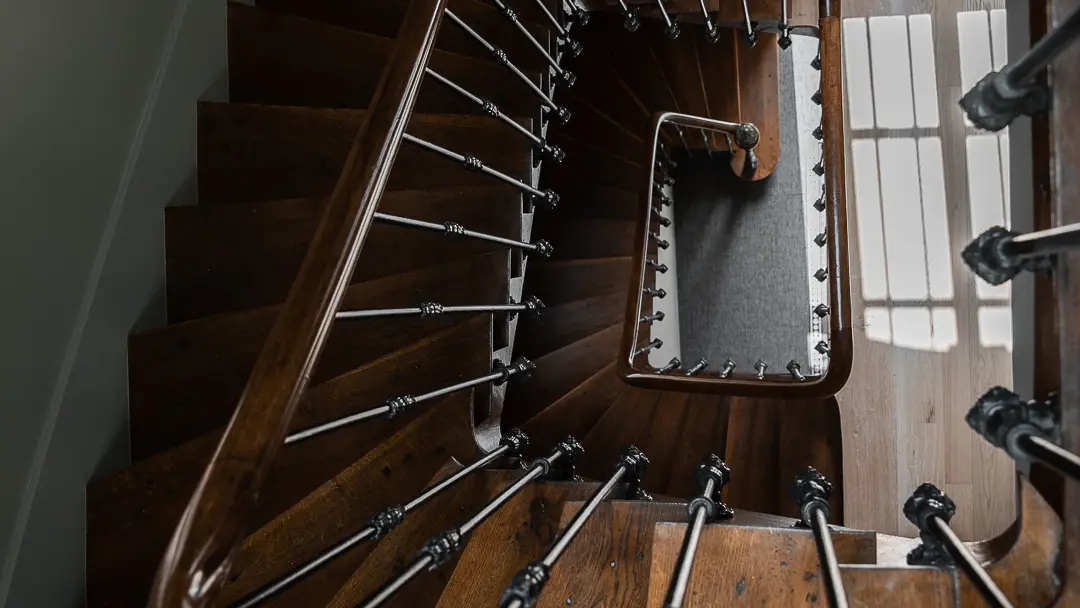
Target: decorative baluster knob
[
  {"x": 712, "y": 474},
  {"x": 698, "y": 367},
  {"x": 818, "y": 134},
  {"x": 821, "y": 310},
  {"x": 796, "y": 371},
  {"x": 656, "y": 293},
  {"x": 672, "y": 365},
  {"x": 822, "y": 347},
  {"x": 821, "y": 239},
  {"x": 816, "y": 97},
  {"x": 821, "y": 275},
  {"x": 926, "y": 504},
  {"x": 665, "y": 222},
  {"x": 515, "y": 440},
  {"x": 811, "y": 491},
  {"x": 729, "y": 366},
  {"x": 661, "y": 268},
  {"x": 761, "y": 366},
  {"x": 816, "y": 63}
]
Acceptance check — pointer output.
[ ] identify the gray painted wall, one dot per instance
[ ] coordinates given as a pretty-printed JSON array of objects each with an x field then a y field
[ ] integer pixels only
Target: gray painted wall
[{"x": 97, "y": 137}]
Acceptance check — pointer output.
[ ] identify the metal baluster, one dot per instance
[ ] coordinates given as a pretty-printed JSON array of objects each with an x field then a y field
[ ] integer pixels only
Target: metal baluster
[
  {"x": 656, "y": 343},
  {"x": 712, "y": 474},
  {"x": 811, "y": 492},
  {"x": 671, "y": 27},
  {"x": 747, "y": 138},
  {"x": 819, "y": 204},
  {"x": 562, "y": 76},
  {"x": 760, "y": 367},
  {"x": 540, "y": 146},
  {"x": 822, "y": 348},
  {"x": 1027, "y": 431},
  {"x": 672, "y": 365},
  {"x": 386, "y": 520},
  {"x": 548, "y": 198},
  {"x": 656, "y": 316},
  {"x": 500, "y": 56},
  {"x": 796, "y": 370},
  {"x": 663, "y": 221},
  {"x": 712, "y": 33},
  {"x": 998, "y": 254},
  {"x": 526, "y": 585},
  {"x": 816, "y": 97},
  {"x": 785, "y": 29},
  {"x": 821, "y": 311},
  {"x": 661, "y": 268},
  {"x": 751, "y": 34},
  {"x": 540, "y": 247},
  {"x": 578, "y": 14},
  {"x": 821, "y": 239},
  {"x": 698, "y": 367},
  {"x": 996, "y": 100},
  {"x": 930, "y": 509},
  {"x": 656, "y": 293},
  {"x": 573, "y": 47},
  {"x": 728, "y": 367},
  {"x": 531, "y": 305},
  {"x": 438, "y": 550},
  {"x": 632, "y": 23},
  {"x": 661, "y": 243},
  {"x": 392, "y": 407},
  {"x": 822, "y": 274}
]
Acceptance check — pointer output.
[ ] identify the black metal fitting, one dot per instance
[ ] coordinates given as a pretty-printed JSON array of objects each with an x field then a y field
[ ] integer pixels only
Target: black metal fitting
[
  {"x": 784, "y": 41},
  {"x": 821, "y": 275},
  {"x": 441, "y": 547},
  {"x": 811, "y": 491},
  {"x": 712, "y": 34},
  {"x": 562, "y": 114},
  {"x": 672, "y": 31},
  {"x": 386, "y": 520},
  {"x": 453, "y": 229},
  {"x": 571, "y": 47},
  {"x": 672, "y": 365},
  {"x": 822, "y": 347},
  {"x": 514, "y": 440},
  {"x": 821, "y": 239},
  {"x": 927, "y": 503},
  {"x": 821, "y": 310},
  {"x": 816, "y": 63},
  {"x": 987, "y": 257},
  {"x": 490, "y": 109},
  {"x": 525, "y": 587},
  {"x": 656, "y": 293},
  {"x": 566, "y": 78},
  {"x": 549, "y": 200},
  {"x": 544, "y": 150},
  {"x": 563, "y": 468},
  {"x": 713, "y": 469},
  {"x": 818, "y": 133},
  {"x": 816, "y": 97},
  {"x": 428, "y": 309},
  {"x": 992, "y": 104},
  {"x": 663, "y": 221},
  {"x": 399, "y": 404},
  {"x": 795, "y": 370},
  {"x": 544, "y": 248},
  {"x": 698, "y": 367},
  {"x": 661, "y": 268},
  {"x": 1001, "y": 417},
  {"x": 533, "y": 306}
]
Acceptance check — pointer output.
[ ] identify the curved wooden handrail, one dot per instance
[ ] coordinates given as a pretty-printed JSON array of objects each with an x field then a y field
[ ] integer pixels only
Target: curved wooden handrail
[
  {"x": 200, "y": 553},
  {"x": 840, "y": 337}
]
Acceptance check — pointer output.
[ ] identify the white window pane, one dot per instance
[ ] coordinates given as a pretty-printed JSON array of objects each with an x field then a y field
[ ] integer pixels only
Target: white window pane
[
  {"x": 924, "y": 75},
  {"x": 985, "y": 198},
  {"x": 944, "y": 324},
  {"x": 973, "y": 36},
  {"x": 911, "y": 328},
  {"x": 995, "y": 327},
  {"x": 891, "y": 72},
  {"x": 905, "y": 253},
  {"x": 935, "y": 219},
  {"x": 864, "y": 164},
  {"x": 860, "y": 103}
]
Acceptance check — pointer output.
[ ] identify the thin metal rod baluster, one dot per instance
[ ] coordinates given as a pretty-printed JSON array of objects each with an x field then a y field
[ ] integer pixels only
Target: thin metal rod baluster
[
  {"x": 560, "y": 31},
  {"x": 672, "y": 365},
  {"x": 393, "y": 407},
  {"x": 712, "y": 474},
  {"x": 712, "y": 33},
  {"x": 540, "y": 247},
  {"x": 548, "y": 198},
  {"x": 996, "y": 100},
  {"x": 663, "y": 221},
  {"x": 698, "y": 367},
  {"x": 438, "y": 550},
  {"x": 562, "y": 76},
  {"x": 631, "y": 23},
  {"x": 531, "y": 304},
  {"x": 671, "y": 27},
  {"x": 998, "y": 254},
  {"x": 386, "y": 520},
  {"x": 500, "y": 56},
  {"x": 526, "y": 585},
  {"x": 661, "y": 268},
  {"x": 540, "y": 146},
  {"x": 656, "y": 293},
  {"x": 811, "y": 492},
  {"x": 1025, "y": 430},
  {"x": 728, "y": 367},
  {"x": 661, "y": 243},
  {"x": 930, "y": 509},
  {"x": 655, "y": 344},
  {"x": 795, "y": 370},
  {"x": 785, "y": 29},
  {"x": 656, "y": 316},
  {"x": 751, "y": 33}
]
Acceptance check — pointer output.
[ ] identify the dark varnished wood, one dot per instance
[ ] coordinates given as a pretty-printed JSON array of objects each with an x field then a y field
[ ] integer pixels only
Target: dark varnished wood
[
  {"x": 751, "y": 566},
  {"x": 590, "y": 124},
  {"x": 253, "y": 153},
  {"x": 752, "y": 453},
  {"x": 515, "y": 535},
  {"x": 280, "y": 59},
  {"x": 399, "y": 467},
  {"x": 704, "y": 431},
  {"x": 566, "y": 323},
  {"x": 594, "y": 199},
  {"x": 679, "y": 61},
  {"x": 231, "y": 257},
  {"x": 594, "y": 162},
  {"x": 132, "y": 513},
  {"x": 185, "y": 379},
  {"x": 810, "y": 435},
  {"x": 619, "y": 427},
  {"x": 661, "y": 438},
  {"x": 602, "y": 86},
  {"x": 200, "y": 553},
  {"x": 586, "y": 237},
  {"x": 758, "y": 74},
  {"x": 383, "y": 18},
  {"x": 574, "y": 413},
  {"x": 391, "y": 554},
  {"x": 560, "y": 371},
  {"x": 565, "y": 281}
]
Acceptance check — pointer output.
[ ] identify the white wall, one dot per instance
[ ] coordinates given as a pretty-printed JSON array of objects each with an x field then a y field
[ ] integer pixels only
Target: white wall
[{"x": 97, "y": 136}]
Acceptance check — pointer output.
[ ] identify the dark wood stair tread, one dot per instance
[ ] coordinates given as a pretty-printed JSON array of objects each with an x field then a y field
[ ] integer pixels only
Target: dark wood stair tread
[
  {"x": 590, "y": 124},
  {"x": 559, "y": 371},
  {"x": 276, "y": 58},
  {"x": 400, "y": 546},
  {"x": 185, "y": 379},
  {"x": 131, "y": 514},
  {"x": 704, "y": 431},
  {"x": 619, "y": 427},
  {"x": 587, "y": 237},
  {"x": 242, "y": 255},
  {"x": 515, "y": 535},
  {"x": 586, "y": 161},
  {"x": 576, "y": 412},
  {"x": 565, "y": 323},
  {"x": 258, "y": 152},
  {"x": 565, "y": 281},
  {"x": 661, "y": 437},
  {"x": 590, "y": 198}
]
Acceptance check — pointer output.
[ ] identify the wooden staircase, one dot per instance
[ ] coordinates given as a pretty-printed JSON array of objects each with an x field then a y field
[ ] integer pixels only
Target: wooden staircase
[{"x": 302, "y": 75}]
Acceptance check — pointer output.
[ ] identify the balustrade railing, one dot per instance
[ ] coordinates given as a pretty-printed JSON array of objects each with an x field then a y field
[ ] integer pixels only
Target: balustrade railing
[
  {"x": 826, "y": 364},
  {"x": 811, "y": 492}
]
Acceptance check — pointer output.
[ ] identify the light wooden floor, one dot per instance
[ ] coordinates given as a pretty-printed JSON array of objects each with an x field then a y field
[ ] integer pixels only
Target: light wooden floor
[{"x": 928, "y": 340}]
